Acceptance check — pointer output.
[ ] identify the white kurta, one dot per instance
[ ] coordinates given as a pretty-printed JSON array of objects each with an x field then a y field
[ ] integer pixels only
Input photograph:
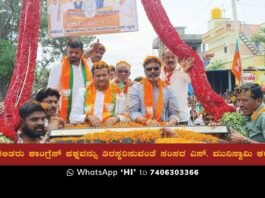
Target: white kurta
[
  {"x": 55, "y": 79},
  {"x": 179, "y": 82},
  {"x": 77, "y": 114}
]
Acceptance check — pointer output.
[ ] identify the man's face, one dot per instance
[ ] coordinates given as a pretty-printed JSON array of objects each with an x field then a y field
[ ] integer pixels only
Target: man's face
[
  {"x": 34, "y": 125},
  {"x": 101, "y": 78},
  {"x": 112, "y": 75},
  {"x": 123, "y": 72},
  {"x": 193, "y": 115},
  {"x": 170, "y": 60},
  {"x": 52, "y": 103},
  {"x": 208, "y": 119},
  {"x": 74, "y": 55},
  {"x": 97, "y": 54},
  {"x": 246, "y": 103},
  {"x": 152, "y": 71}
]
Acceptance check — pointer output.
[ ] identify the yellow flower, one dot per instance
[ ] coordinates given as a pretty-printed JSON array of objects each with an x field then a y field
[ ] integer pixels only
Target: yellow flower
[{"x": 233, "y": 98}]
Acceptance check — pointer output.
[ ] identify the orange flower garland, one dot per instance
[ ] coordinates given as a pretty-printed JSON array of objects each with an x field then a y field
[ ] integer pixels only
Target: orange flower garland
[
  {"x": 148, "y": 99},
  {"x": 67, "y": 84},
  {"x": 109, "y": 100},
  {"x": 143, "y": 136}
]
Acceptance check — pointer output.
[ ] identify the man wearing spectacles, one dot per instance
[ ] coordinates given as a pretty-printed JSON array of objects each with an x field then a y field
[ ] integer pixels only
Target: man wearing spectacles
[
  {"x": 250, "y": 101},
  {"x": 150, "y": 101},
  {"x": 123, "y": 72}
]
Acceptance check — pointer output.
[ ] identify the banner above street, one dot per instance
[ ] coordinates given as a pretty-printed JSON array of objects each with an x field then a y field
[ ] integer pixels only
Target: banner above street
[{"x": 89, "y": 17}]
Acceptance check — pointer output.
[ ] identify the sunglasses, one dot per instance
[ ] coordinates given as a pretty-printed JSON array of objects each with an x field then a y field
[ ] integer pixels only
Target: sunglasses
[{"x": 152, "y": 69}]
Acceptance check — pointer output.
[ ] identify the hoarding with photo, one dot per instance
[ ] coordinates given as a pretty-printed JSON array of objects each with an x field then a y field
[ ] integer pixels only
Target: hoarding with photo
[{"x": 89, "y": 17}]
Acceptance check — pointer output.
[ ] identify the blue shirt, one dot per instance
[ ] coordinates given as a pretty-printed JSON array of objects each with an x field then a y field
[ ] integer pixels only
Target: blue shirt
[{"x": 137, "y": 107}]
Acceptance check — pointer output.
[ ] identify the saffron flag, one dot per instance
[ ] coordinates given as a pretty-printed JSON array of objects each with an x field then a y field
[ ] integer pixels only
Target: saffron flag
[{"x": 236, "y": 64}]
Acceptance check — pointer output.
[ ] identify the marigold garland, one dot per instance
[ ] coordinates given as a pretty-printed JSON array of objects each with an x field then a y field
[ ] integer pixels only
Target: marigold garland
[
  {"x": 115, "y": 137},
  {"x": 257, "y": 113},
  {"x": 151, "y": 58},
  {"x": 122, "y": 62},
  {"x": 179, "y": 140},
  {"x": 141, "y": 136}
]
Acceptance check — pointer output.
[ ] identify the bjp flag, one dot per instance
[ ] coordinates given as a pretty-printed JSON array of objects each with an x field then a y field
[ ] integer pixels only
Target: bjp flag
[{"x": 236, "y": 65}]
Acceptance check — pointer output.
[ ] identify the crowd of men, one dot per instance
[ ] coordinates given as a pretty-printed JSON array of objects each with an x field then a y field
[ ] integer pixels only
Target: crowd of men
[{"x": 84, "y": 89}]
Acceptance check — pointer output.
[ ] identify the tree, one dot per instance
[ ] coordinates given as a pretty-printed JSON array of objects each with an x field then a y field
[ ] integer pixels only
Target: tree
[
  {"x": 9, "y": 20},
  {"x": 7, "y": 56},
  {"x": 215, "y": 65},
  {"x": 51, "y": 49},
  {"x": 259, "y": 37}
]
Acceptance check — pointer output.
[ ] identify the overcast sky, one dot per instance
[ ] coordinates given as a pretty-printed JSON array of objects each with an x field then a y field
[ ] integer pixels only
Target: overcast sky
[{"x": 193, "y": 14}]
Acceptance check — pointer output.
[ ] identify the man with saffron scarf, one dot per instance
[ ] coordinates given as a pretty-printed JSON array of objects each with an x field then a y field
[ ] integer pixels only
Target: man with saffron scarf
[
  {"x": 150, "y": 101},
  {"x": 96, "y": 103},
  {"x": 123, "y": 70},
  {"x": 177, "y": 79},
  {"x": 69, "y": 76}
]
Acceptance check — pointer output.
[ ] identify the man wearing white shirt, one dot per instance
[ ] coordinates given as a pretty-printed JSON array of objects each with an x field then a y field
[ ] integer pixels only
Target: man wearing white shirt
[
  {"x": 96, "y": 103},
  {"x": 178, "y": 80},
  {"x": 69, "y": 76}
]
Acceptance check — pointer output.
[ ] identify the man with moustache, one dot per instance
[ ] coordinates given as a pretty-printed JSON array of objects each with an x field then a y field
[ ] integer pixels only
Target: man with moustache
[
  {"x": 94, "y": 53},
  {"x": 51, "y": 98},
  {"x": 150, "y": 101},
  {"x": 250, "y": 101},
  {"x": 123, "y": 70},
  {"x": 96, "y": 104},
  {"x": 68, "y": 76},
  {"x": 178, "y": 79},
  {"x": 34, "y": 127},
  {"x": 33, "y": 116}
]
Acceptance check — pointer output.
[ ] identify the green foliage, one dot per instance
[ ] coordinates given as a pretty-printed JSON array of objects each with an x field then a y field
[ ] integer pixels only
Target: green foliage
[
  {"x": 5, "y": 140},
  {"x": 7, "y": 55},
  {"x": 260, "y": 37},
  {"x": 52, "y": 49},
  {"x": 216, "y": 65},
  {"x": 9, "y": 19},
  {"x": 236, "y": 121},
  {"x": 41, "y": 79}
]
